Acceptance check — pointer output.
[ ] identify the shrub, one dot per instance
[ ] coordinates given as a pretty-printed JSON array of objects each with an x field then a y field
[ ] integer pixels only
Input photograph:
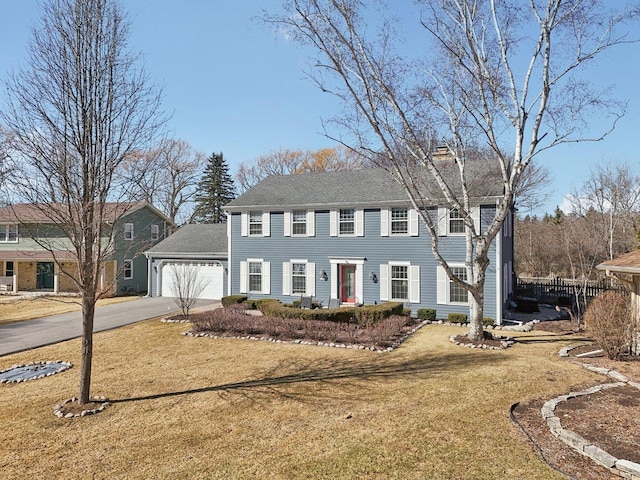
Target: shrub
[
  {"x": 609, "y": 320},
  {"x": 488, "y": 321},
  {"x": 231, "y": 299},
  {"x": 427, "y": 314},
  {"x": 457, "y": 318},
  {"x": 372, "y": 314}
]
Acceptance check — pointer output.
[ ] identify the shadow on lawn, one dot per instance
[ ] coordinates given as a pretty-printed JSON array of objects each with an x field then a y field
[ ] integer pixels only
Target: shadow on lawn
[
  {"x": 324, "y": 372},
  {"x": 552, "y": 338}
]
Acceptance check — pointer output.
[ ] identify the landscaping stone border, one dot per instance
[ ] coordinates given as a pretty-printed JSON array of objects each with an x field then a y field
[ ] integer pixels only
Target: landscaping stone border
[
  {"x": 174, "y": 320},
  {"x": 104, "y": 403},
  {"x": 395, "y": 345},
  {"x": 63, "y": 366},
  {"x": 620, "y": 467}
]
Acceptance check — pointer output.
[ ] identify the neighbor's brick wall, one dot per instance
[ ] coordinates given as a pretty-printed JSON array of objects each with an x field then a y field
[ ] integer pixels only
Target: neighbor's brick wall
[
  {"x": 65, "y": 283},
  {"x": 27, "y": 272}
]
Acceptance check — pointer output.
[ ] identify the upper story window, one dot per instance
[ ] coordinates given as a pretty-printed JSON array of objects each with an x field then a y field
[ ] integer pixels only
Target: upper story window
[
  {"x": 347, "y": 221},
  {"x": 8, "y": 233},
  {"x": 128, "y": 231},
  {"x": 155, "y": 232},
  {"x": 458, "y": 294},
  {"x": 299, "y": 222},
  {"x": 399, "y": 221},
  {"x": 255, "y": 223},
  {"x": 456, "y": 221}
]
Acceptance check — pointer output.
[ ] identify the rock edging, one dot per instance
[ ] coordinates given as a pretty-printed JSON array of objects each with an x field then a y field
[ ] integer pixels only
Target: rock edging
[
  {"x": 623, "y": 468},
  {"x": 265, "y": 338},
  {"x": 63, "y": 366},
  {"x": 104, "y": 403}
]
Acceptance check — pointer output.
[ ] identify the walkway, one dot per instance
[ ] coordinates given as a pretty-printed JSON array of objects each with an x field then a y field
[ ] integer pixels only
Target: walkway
[{"x": 28, "y": 334}]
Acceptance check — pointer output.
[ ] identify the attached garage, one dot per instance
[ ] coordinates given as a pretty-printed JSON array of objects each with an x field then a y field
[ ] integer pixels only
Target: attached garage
[
  {"x": 195, "y": 254},
  {"x": 206, "y": 278}
]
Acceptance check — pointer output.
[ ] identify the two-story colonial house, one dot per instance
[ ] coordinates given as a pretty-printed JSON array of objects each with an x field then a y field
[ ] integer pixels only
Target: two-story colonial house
[
  {"x": 34, "y": 253},
  {"x": 353, "y": 236}
]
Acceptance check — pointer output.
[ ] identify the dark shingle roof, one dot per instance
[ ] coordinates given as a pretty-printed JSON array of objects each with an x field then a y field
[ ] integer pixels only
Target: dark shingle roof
[
  {"x": 367, "y": 187},
  {"x": 195, "y": 239}
]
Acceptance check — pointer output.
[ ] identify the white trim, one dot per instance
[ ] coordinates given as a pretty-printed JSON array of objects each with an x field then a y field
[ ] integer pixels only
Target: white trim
[
  {"x": 266, "y": 278},
  {"x": 384, "y": 282},
  {"x": 359, "y": 263},
  {"x": 266, "y": 224},
  {"x": 443, "y": 221},
  {"x": 499, "y": 283},
  {"x": 124, "y": 269},
  {"x": 132, "y": 232},
  {"x": 244, "y": 224},
  {"x": 311, "y": 223},
  {"x": 333, "y": 223},
  {"x": 475, "y": 215},
  {"x": 229, "y": 259},
  {"x": 244, "y": 277},
  {"x": 287, "y": 223},
  {"x": 286, "y": 278},
  {"x": 414, "y": 283},
  {"x": 359, "y": 224},
  {"x": 311, "y": 279},
  {"x": 385, "y": 220},
  {"x": 442, "y": 282},
  {"x": 414, "y": 227}
]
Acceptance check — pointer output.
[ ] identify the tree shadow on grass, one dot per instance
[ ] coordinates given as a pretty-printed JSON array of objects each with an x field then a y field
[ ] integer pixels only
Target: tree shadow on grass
[
  {"x": 533, "y": 339},
  {"x": 323, "y": 373}
]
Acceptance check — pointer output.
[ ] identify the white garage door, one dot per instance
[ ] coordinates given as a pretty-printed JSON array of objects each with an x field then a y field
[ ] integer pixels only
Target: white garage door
[{"x": 201, "y": 279}]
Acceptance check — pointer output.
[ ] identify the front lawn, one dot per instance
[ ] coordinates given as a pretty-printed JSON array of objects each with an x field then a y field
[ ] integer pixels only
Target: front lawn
[{"x": 187, "y": 407}]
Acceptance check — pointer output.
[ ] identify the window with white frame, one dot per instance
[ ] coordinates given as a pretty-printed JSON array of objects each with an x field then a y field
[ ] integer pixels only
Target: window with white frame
[
  {"x": 299, "y": 222},
  {"x": 255, "y": 276},
  {"x": 298, "y": 278},
  {"x": 155, "y": 232},
  {"x": 8, "y": 233},
  {"x": 127, "y": 268},
  {"x": 128, "y": 231},
  {"x": 456, "y": 221},
  {"x": 399, "y": 282},
  {"x": 458, "y": 294},
  {"x": 399, "y": 221},
  {"x": 255, "y": 223},
  {"x": 347, "y": 221}
]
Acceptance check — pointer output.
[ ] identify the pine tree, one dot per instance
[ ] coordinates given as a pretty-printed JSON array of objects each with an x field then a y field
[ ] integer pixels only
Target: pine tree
[{"x": 215, "y": 190}]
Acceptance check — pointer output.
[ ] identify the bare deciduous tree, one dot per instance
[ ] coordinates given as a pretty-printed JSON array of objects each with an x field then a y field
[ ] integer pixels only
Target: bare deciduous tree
[
  {"x": 186, "y": 286},
  {"x": 78, "y": 109},
  {"x": 285, "y": 162},
  {"x": 166, "y": 176},
  {"x": 498, "y": 76}
]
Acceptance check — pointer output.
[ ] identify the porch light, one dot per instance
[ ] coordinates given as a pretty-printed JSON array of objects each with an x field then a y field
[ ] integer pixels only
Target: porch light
[
  {"x": 373, "y": 277},
  {"x": 323, "y": 275}
]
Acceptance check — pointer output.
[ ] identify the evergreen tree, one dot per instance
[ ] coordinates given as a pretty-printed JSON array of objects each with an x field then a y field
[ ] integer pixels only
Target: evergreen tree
[{"x": 215, "y": 190}]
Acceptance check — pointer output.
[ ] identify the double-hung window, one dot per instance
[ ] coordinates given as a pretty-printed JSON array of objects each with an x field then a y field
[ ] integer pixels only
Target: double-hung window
[
  {"x": 456, "y": 221},
  {"x": 255, "y": 276},
  {"x": 127, "y": 269},
  {"x": 347, "y": 221},
  {"x": 299, "y": 222},
  {"x": 399, "y": 282},
  {"x": 128, "y": 231},
  {"x": 399, "y": 221},
  {"x": 298, "y": 278},
  {"x": 8, "y": 233},
  {"x": 457, "y": 294},
  {"x": 255, "y": 223},
  {"x": 155, "y": 232}
]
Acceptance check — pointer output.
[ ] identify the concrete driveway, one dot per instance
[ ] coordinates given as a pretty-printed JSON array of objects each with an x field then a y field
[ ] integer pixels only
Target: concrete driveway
[{"x": 19, "y": 336}]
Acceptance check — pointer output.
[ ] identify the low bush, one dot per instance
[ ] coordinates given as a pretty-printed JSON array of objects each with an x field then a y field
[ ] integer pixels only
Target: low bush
[
  {"x": 372, "y": 314},
  {"x": 427, "y": 314},
  {"x": 488, "y": 321},
  {"x": 457, "y": 318},
  {"x": 609, "y": 320},
  {"x": 231, "y": 299}
]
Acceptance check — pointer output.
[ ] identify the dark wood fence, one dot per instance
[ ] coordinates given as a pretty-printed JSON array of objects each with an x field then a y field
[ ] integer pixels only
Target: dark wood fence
[{"x": 550, "y": 290}]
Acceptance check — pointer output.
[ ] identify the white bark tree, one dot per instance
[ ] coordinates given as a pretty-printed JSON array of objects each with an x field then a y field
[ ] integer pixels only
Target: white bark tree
[
  {"x": 75, "y": 112},
  {"x": 496, "y": 76}
]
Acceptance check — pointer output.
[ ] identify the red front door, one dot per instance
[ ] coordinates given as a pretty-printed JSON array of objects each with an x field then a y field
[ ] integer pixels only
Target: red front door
[{"x": 348, "y": 283}]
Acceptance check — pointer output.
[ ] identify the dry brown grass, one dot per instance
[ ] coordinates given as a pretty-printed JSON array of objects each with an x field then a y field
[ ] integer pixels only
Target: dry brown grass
[
  {"x": 200, "y": 408},
  {"x": 16, "y": 309}
]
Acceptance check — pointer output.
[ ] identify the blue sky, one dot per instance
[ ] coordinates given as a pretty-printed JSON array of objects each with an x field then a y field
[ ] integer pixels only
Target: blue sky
[{"x": 232, "y": 86}]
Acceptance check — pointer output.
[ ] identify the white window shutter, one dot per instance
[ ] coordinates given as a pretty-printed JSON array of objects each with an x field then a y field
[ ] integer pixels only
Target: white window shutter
[
  {"x": 333, "y": 223},
  {"x": 384, "y": 282},
  {"x": 359, "y": 223},
  {"x": 311, "y": 279},
  {"x": 414, "y": 284},
  {"x": 334, "y": 281},
  {"x": 266, "y": 224},
  {"x": 287, "y": 223},
  {"x": 286, "y": 278},
  {"x": 244, "y": 283},
  {"x": 266, "y": 278},
  {"x": 442, "y": 281},
  {"x": 475, "y": 216},
  {"x": 384, "y": 222},
  {"x": 244, "y": 224},
  {"x": 413, "y": 223},
  {"x": 311, "y": 223},
  {"x": 443, "y": 220}
]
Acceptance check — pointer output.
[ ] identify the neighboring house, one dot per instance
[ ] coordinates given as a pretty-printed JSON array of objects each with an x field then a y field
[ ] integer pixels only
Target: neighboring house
[
  {"x": 25, "y": 265},
  {"x": 200, "y": 247},
  {"x": 353, "y": 236},
  {"x": 626, "y": 269}
]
